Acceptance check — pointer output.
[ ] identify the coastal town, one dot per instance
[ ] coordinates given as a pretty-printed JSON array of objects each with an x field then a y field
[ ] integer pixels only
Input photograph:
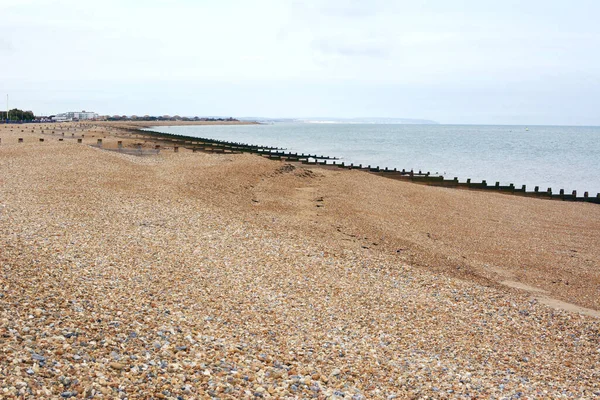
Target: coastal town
[{"x": 21, "y": 116}]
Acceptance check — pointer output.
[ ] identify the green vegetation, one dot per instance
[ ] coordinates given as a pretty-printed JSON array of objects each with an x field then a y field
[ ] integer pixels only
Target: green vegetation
[{"x": 17, "y": 115}]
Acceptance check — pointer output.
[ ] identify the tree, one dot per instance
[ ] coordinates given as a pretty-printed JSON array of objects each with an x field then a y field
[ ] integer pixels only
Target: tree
[{"x": 17, "y": 115}]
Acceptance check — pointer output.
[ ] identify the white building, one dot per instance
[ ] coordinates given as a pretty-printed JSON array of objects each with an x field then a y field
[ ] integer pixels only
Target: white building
[{"x": 75, "y": 116}]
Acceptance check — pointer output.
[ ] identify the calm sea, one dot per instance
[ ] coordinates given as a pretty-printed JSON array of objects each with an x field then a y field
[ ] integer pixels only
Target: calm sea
[{"x": 559, "y": 157}]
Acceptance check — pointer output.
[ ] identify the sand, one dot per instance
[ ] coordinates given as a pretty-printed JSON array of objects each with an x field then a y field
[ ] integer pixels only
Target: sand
[{"x": 190, "y": 275}]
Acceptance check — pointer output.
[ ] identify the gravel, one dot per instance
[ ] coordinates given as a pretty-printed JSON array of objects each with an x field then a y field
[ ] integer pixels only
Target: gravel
[{"x": 158, "y": 277}]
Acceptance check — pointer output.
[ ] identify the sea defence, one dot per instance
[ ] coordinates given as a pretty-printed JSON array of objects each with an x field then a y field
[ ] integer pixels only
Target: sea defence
[
  {"x": 175, "y": 142},
  {"x": 420, "y": 177}
]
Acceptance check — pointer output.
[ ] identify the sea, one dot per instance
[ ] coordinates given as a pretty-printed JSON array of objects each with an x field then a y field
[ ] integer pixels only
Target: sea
[{"x": 557, "y": 157}]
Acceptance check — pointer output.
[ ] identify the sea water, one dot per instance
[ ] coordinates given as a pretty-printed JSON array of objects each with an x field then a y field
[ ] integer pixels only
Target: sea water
[{"x": 559, "y": 157}]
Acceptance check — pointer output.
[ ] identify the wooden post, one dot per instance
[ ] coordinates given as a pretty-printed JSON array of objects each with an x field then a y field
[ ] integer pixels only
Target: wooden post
[
  {"x": 120, "y": 144},
  {"x": 497, "y": 185},
  {"x": 20, "y": 140},
  {"x": 524, "y": 188},
  {"x": 550, "y": 191},
  {"x": 574, "y": 194},
  {"x": 79, "y": 140},
  {"x": 586, "y": 195},
  {"x": 176, "y": 149},
  {"x": 468, "y": 181},
  {"x": 99, "y": 142},
  {"x": 536, "y": 189},
  {"x": 562, "y": 194},
  {"x": 484, "y": 183}
]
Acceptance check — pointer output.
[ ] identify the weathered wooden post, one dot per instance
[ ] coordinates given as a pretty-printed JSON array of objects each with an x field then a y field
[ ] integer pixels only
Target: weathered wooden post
[
  {"x": 455, "y": 180},
  {"x": 497, "y": 185},
  {"x": 99, "y": 142},
  {"x": 79, "y": 140},
  {"x": 574, "y": 194},
  {"x": 512, "y": 187},
  {"x": 484, "y": 183},
  {"x": 585, "y": 195},
  {"x": 536, "y": 189},
  {"x": 549, "y": 192},
  {"x": 469, "y": 181},
  {"x": 120, "y": 144},
  {"x": 524, "y": 188},
  {"x": 176, "y": 149},
  {"x": 562, "y": 194}
]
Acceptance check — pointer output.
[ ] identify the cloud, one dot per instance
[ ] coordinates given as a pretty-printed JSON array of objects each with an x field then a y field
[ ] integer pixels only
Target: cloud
[
  {"x": 338, "y": 47},
  {"x": 6, "y": 46}
]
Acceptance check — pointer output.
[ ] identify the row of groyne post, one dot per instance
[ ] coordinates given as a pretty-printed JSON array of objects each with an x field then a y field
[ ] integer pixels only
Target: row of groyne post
[
  {"x": 195, "y": 144},
  {"x": 424, "y": 178}
]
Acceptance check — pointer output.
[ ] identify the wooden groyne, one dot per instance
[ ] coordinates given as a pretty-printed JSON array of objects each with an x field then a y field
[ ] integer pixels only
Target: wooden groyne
[
  {"x": 424, "y": 178},
  {"x": 224, "y": 147}
]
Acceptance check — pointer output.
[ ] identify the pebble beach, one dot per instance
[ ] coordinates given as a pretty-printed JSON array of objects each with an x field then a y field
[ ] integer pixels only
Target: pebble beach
[{"x": 196, "y": 276}]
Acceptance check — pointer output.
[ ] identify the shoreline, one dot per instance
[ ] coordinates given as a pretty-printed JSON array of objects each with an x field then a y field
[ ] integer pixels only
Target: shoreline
[{"x": 424, "y": 178}]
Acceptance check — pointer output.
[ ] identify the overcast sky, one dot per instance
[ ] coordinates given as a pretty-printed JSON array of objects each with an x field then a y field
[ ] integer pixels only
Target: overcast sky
[{"x": 485, "y": 61}]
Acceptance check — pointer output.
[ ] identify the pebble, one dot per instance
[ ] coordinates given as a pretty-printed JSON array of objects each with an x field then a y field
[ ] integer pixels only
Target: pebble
[{"x": 159, "y": 277}]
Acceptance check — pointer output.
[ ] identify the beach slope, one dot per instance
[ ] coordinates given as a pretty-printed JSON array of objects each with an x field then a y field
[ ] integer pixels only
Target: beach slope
[{"x": 192, "y": 275}]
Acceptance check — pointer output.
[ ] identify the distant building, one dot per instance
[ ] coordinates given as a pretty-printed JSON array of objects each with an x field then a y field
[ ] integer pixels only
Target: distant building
[{"x": 75, "y": 116}]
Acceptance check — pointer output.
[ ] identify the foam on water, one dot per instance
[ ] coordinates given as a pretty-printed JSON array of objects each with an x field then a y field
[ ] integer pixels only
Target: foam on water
[{"x": 547, "y": 156}]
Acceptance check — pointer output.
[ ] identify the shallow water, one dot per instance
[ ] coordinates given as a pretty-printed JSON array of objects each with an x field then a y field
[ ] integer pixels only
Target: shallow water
[{"x": 546, "y": 156}]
